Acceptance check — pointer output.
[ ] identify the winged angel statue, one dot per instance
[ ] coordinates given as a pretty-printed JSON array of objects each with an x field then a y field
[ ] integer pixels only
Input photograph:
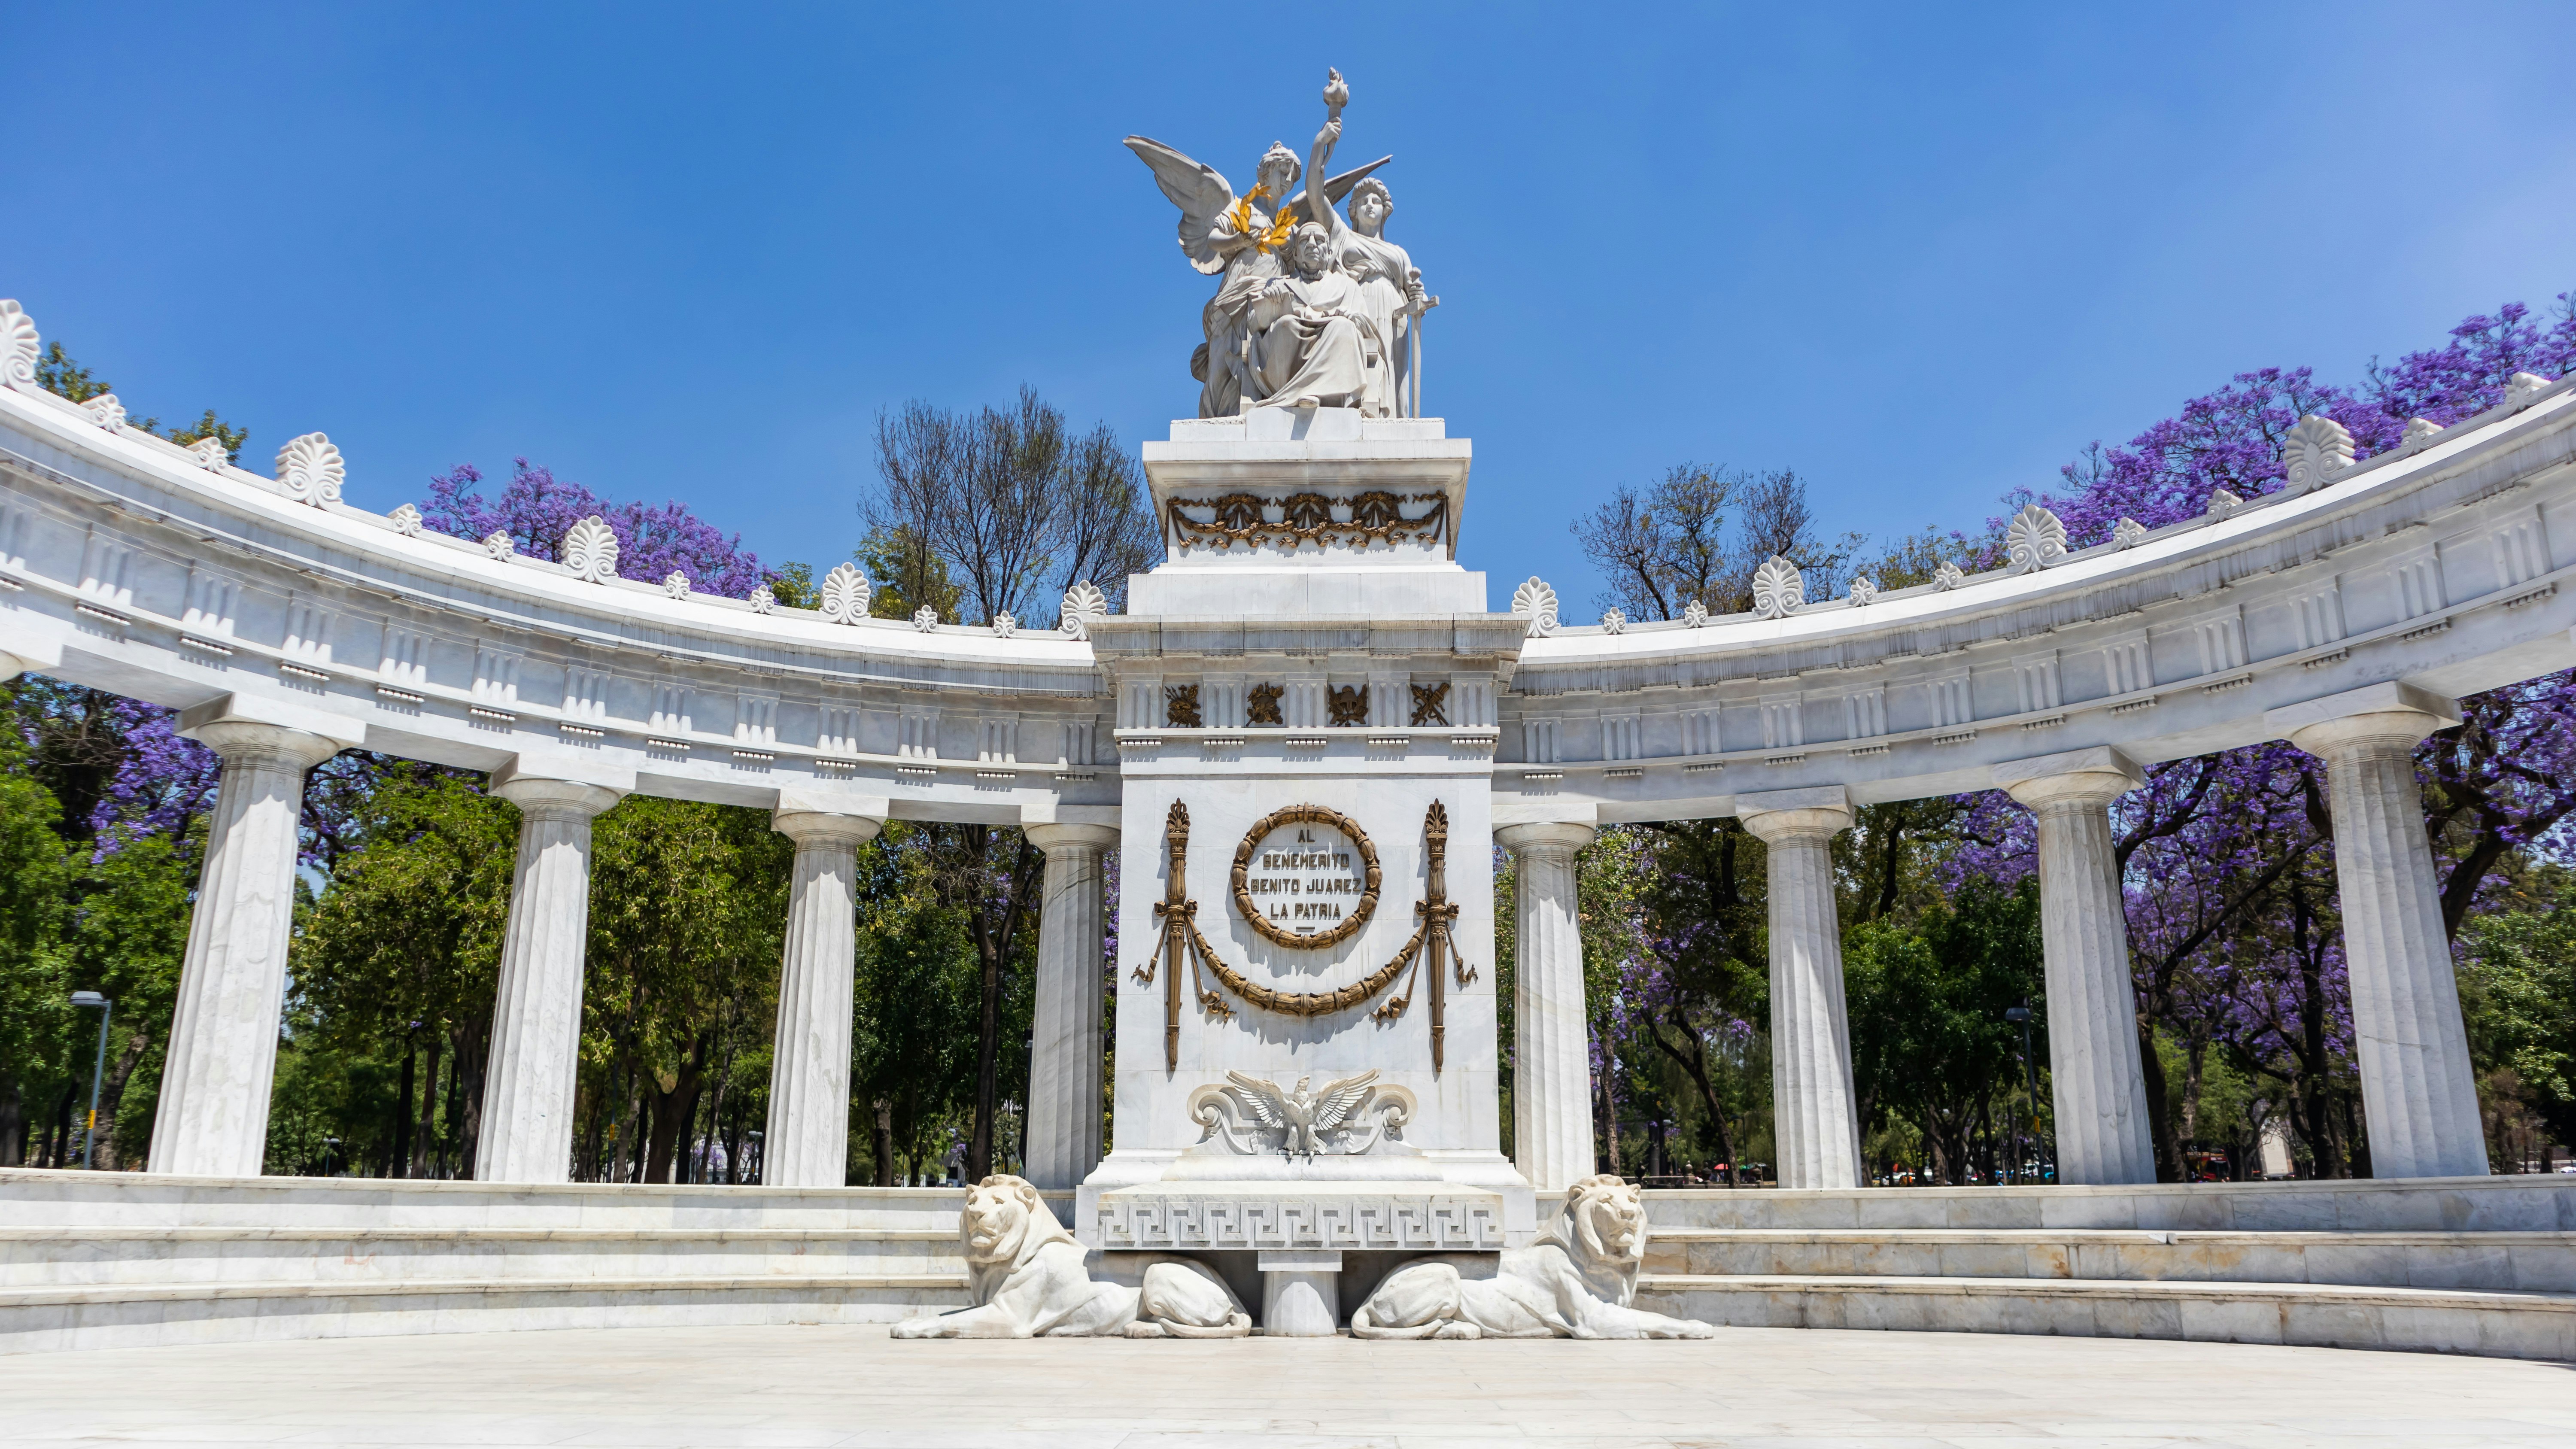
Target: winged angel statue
[{"x": 1312, "y": 311}]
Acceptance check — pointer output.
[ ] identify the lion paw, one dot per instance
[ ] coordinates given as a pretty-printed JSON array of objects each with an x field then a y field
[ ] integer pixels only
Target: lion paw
[{"x": 1456, "y": 1328}]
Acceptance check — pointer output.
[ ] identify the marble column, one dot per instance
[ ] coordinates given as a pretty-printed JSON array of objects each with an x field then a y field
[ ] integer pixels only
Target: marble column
[
  {"x": 222, "y": 1058},
  {"x": 1815, "y": 1118},
  {"x": 1551, "y": 1053},
  {"x": 1064, "y": 1039},
  {"x": 536, "y": 1018},
  {"x": 808, "y": 1139},
  {"x": 2417, "y": 1088},
  {"x": 2099, "y": 1089}
]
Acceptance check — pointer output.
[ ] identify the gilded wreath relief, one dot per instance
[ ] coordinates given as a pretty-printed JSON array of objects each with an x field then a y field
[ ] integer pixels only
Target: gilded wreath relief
[{"x": 1311, "y": 310}]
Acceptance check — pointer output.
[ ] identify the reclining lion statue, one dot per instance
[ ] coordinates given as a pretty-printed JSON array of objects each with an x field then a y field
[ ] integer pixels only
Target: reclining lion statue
[
  {"x": 1029, "y": 1281},
  {"x": 1576, "y": 1280}
]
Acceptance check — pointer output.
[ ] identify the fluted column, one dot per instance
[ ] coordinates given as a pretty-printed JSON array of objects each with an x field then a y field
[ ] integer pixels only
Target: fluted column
[
  {"x": 1815, "y": 1118},
  {"x": 222, "y": 1059},
  {"x": 2417, "y": 1088},
  {"x": 808, "y": 1142},
  {"x": 2098, "y": 1087},
  {"x": 1064, "y": 1039},
  {"x": 536, "y": 1019},
  {"x": 1551, "y": 1053}
]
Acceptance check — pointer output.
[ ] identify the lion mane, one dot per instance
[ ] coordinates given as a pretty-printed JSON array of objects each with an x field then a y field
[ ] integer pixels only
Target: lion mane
[
  {"x": 1602, "y": 1228},
  {"x": 1027, "y": 1226}
]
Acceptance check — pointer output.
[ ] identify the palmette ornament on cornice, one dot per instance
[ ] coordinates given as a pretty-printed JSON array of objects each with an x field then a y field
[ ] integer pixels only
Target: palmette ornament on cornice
[
  {"x": 311, "y": 469},
  {"x": 1614, "y": 621},
  {"x": 106, "y": 411},
  {"x": 675, "y": 585},
  {"x": 2524, "y": 387},
  {"x": 2223, "y": 503},
  {"x": 2420, "y": 429},
  {"x": 19, "y": 346},
  {"x": 1083, "y": 603},
  {"x": 1536, "y": 602},
  {"x": 1695, "y": 615},
  {"x": 590, "y": 550},
  {"x": 2316, "y": 450},
  {"x": 1947, "y": 576},
  {"x": 1778, "y": 588},
  {"x": 763, "y": 601},
  {"x": 846, "y": 592},
  {"x": 406, "y": 521},
  {"x": 2127, "y": 533},
  {"x": 2034, "y": 540},
  {"x": 925, "y": 618},
  {"x": 1005, "y": 624},
  {"x": 210, "y": 453},
  {"x": 499, "y": 544},
  {"x": 1863, "y": 593}
]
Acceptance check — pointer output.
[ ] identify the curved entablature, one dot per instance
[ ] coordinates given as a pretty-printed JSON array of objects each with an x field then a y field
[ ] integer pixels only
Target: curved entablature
[
  {"x": 2437, "y": 565},
  {"x": 167, "y": 574}
]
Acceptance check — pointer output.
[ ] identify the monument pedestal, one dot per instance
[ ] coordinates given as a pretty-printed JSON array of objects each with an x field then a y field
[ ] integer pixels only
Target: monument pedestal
[{"x": 1301, "y": 1294}]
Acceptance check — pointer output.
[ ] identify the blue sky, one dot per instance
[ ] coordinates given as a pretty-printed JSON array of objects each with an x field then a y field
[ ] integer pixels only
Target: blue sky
[{"x": 1921, "y": 254}]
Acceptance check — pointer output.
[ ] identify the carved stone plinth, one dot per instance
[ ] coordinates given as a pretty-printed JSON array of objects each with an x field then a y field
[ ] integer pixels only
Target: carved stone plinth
[{"x": 1413, "y": 1217}]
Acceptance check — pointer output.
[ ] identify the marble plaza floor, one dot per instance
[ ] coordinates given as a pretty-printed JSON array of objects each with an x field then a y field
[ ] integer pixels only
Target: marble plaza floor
[{"x": 853, "y": 1386}]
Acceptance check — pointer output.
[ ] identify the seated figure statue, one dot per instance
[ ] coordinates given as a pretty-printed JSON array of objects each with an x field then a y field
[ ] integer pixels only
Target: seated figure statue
[
  {"x": 1028, "y": 1281},
  {"x": 1314, "y": 343},
  {"x": 1576, "y": 1280}
]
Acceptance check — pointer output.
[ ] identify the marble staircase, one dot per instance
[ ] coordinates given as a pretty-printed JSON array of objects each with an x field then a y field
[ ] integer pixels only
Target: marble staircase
[
  {"x": 2460, "y": 1265},
  {"x": 113, "y": 1260}
]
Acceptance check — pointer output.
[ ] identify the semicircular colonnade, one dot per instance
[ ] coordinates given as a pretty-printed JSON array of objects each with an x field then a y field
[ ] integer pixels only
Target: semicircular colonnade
[{"x": 2345, "y": 613}]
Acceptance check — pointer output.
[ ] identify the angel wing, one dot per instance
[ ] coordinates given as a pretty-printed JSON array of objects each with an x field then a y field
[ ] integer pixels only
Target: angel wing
[
  {"x": 1341, "y": 1098},
  {"x": 1334, "y": 190},
  {"x": 1260, "y": 1098},
  {"x": 1194, "y": 187}
]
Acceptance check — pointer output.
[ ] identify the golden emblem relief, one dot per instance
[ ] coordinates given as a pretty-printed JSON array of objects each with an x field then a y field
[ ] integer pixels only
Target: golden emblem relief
[
  {"x": 1374, "y": 517},
  {"x": 1297, "y": 885}
]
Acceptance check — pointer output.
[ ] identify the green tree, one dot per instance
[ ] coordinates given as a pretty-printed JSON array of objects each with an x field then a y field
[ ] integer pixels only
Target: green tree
[
  {"x": 1926, "y": 1005},
  {"x": 2518, "y": 986}
]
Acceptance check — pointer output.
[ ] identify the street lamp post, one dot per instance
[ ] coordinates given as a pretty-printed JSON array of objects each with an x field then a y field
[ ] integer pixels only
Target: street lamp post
[
  {"x": 97, "y": 1071},
  {"x": 2020, "y": 1016}
]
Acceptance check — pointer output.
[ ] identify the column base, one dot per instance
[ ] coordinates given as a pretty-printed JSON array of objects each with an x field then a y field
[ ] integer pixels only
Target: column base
[{"x": 1301, "y": 1294}]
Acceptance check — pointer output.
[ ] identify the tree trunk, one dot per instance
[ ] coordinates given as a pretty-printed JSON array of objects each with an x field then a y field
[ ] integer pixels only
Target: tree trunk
[
  {"x": 420, "y": 1141},
  {"x": 885, "y": 1142},
  {"x": 13, "y": 1126},
  {"x": 473, "y": 1052},
  {"x": 2160, "y": 1120},
  {"x": 675, "y": 1109},
  {"x": 399, "y": 1164}
]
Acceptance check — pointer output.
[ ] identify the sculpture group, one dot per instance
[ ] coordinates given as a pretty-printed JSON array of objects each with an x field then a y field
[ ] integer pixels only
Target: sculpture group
[
  {"x": 1578, "y": 1279},
  {"x": 1312, "y": 310}
]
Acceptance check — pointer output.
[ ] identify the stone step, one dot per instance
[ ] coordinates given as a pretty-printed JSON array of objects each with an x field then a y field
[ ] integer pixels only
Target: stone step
[
  {"x": 87, "y": 1256},
  {"x": 2499, "y": 1261},
  {"x": 2500, "y": 1325},
  {"x": 43, "y": 1197},
  {"x": 34, "y": 1320},
  {"x": 2423, "y": 1204}
]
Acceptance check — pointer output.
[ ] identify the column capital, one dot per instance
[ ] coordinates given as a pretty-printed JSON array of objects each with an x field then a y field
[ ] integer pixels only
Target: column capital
[
  {"x": 825, "y": 827},
  {"x": 1541, "y": 834},
  {"x": 2392, "y": 714},
  {"x": 2075, "y": 777},
  {"x": 543, "y": 797},
  {"x": 291, "y": 733},
  {"x": 1777, "y": 815},
  {"x": 1052, "y": 838}
]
